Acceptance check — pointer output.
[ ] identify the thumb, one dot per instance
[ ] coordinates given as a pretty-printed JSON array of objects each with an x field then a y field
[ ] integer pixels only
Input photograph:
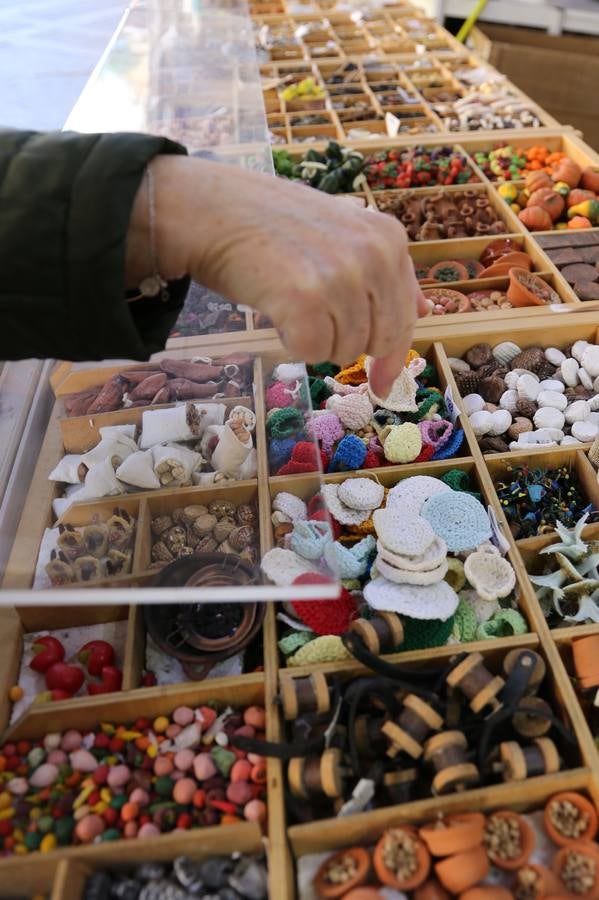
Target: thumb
[{"x": 385, "y": 370}]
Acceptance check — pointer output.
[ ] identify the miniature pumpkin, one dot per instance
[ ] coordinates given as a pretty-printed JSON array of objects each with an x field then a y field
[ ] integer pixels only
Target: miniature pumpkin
[
  {"x": 549, "y": 200},
  {"x": 537, "y": 180},
  {"x": 579, "y": 196},
  {"x": 589, "y": 209},
  {"x": 404, "y": 839},
  {"x": 570, "y": 817},
  {"x": 562, "y": 188},
  {"x": 567, "y": 170},
  {"x": 579, "y": 222},
  {"x": 589, "y": 180},
  {"x": 496, "y": 825},
  {"x": 536, "y": 218}
]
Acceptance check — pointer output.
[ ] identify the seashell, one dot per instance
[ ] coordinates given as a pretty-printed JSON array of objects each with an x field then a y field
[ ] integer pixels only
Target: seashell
[
  {"x": 481, "y": 422},
  {"x": 585, "y": 431},
  {"x": 520, "y": 425},
  {"x": 204, "y": 524},
  {"x": 554, "y": 356},
  {"x": 532, "y": 359},
  {"x": 508, "y": 400},
  {"x": 491, "y": 407},
  {"x": 548, "y": 417},
  {"x": 527, "y": 387},
  {"x": 241, "y": 537},
  {"x": 552, "y": 399},
  {"x": 175, "y": 538},
  {"x": 467, "y": 382},
  {"x": 594, "y": 403},
  {"x": 590, "y": 360},
  {"x": 552, "y": 384},
  {"x": 502, "y": 419},
  {"x": 458, "y": 365},
  {"x": 223, "y": 529},
  {"x": 472, "y": 403},
  {"x": 585, "y": 379},
  {"x": 593, "y": 417},
  {"x": 578, "y": 411},
  {"x": 191, "y": 513},
  {"x": 569, "y": 370},
  {"x": 569, "y": 440},
  {"x": 505, "y": 352},
  {"x": 577, "y": 350},
  {"x": 479, "y": 355},
  {"x": 246, "y": 514},
  {"x": 222, "y": 508},
  {"x": 596, "y": 385},
  {"x": 511, "y": 380},
  {"x": 161, "y": 553},
  {"x": 549, "y": 435},
  {"x": 519, "y": 372},
  {"x": 492, "y": 388}
]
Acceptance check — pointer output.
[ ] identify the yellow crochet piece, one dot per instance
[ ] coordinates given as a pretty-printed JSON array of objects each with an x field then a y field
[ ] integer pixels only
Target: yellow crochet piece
[
  {"x": 355, "y": 374},
  {"x": 412, "y": 355},
  {"x": 403, "y": 443},
  {"x": 326, "y": 648},
  {"x": 455, "y": 577}
]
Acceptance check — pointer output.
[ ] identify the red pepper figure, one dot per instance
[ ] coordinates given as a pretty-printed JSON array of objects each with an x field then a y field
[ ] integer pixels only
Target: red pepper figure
[
  {"x": 48, "y": 650},
  {"x": 95, "y": 655},
  {"x": 112, "y": 679},
  {"x": 65, "y": 678}
]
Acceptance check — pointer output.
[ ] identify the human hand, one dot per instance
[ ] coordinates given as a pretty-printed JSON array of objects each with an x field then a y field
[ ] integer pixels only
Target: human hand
[{"x": 335, "y": 279}]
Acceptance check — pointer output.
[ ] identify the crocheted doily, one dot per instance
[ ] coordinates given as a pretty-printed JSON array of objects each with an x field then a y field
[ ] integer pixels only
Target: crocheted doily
[
  {"x": 490, "y": 575},
  {"x": 282, "y": 567},
  {"x": 432, "y": 557},
  {"x": 361, "y": 493},
  {"x": 403, "y": 443},
  {"x": 291, "y": 506},
  {"x": 458, "y": 518},
  {"x": 437, "y": 601},
  {"x": 416, "y": 490},
  {"x": 402, "y": 396},
  {"x": 408, "y": 536},
  {"x": 405, "y": 576},
  {"x": 342, "y": 513}
]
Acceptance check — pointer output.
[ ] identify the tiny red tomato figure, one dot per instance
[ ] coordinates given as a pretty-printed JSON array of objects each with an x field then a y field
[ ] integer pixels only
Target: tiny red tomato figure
[
  {"x": 63, "y": 677},
  {"x": 111, "y": 681},
  {"x": 148, "y": 679},
  {"x": 95, "y": 655},
  {"x": 47, "y": 651}
]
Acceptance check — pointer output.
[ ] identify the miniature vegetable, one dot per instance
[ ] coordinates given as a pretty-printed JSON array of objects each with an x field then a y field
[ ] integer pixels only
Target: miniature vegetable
[
  {"x": 111, "y": 680},
  {"x": 64, "y": 677},
  {"x": 95, "y": 655},
  {"x": 48, "y": 650}
]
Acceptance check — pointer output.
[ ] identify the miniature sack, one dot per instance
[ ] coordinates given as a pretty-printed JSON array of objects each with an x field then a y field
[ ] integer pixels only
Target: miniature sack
[
  {"x": 67, "y": 469},
  {"x": 230, "y": 453},
  {"x": 138, "y": 471},
  {"x": 114, "y": 449},
  {"x": 179, "y": 423},
  {"x": 100, "y": 481},
  {"x": 174, "y": 465}
]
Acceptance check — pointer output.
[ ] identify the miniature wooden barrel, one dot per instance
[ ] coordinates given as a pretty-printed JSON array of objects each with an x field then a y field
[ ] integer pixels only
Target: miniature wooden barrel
[
  {"x": 304, "y": 695},
  {"x": 368, "y": 735},
  {"x": 528, "y": 659},
  {"x": 381, "y": 634},
  {"x": 416, "y": 721},
  {"x": 399, "y": 784},
  {"x": 315, "y": 776},
  {"x": 518, "y": 763},
  {"x": 475, "y": 681},
  {"x": 531, "y": 726},
  {"x": 585, "y": 652},
  {"x": 447, "y": 754}
]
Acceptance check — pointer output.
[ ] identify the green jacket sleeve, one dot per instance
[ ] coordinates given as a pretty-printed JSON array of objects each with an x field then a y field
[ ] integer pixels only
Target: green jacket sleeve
[{"x": 65, "y": 202}]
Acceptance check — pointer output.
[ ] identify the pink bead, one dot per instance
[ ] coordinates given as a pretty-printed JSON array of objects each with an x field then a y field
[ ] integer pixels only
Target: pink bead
[
  {"x": 239, "y": 792},
  {"x": 130, "y": 830},
  {"x": 255, "y": 811},
  {"x": 118, "y": 776},
  {"x": 139, "y": 796},
  {"x": 204, "y": 767},
  {"x": 241, "y": 770},
  {"x": 58, "y": 757},
  {"x": 148, "y": 830},
  {"x": 278, "y": 396},
  {"x": 255, "y": 716},
  {"x": 184, "y": 760},
  {"x": 246, "y": 731},
  {"x": 71, "y": 740},
  {"x": 183, "y": 715},
  {"x": 88, "y": 828},
  {"x": 162, "y": 766},
  {"x": 176, "y": 775},
  {"x": 172, "y": 731},
  {"x": 256, "y": 759},
  {"x": 184, "y": 790}
]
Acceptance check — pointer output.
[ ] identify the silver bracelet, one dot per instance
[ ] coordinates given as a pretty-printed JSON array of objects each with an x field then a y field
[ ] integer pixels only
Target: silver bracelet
[{"x": 152, "y": 285}]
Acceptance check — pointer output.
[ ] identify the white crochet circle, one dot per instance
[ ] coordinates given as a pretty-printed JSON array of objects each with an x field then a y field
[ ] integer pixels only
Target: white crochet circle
[
  {"x": 415, "y": 491},
  {"x": 361, "y": 493},
  {"x": 407, "y": 535},
  {"x": 339, "y": 511},
  {"x": 432, "y": 557},
  {"x": 282, "y": 567},
  {"x": 291, "y": 506},
  {"x": 405, "y": 576},
  {"x": 437, "y": 601}
]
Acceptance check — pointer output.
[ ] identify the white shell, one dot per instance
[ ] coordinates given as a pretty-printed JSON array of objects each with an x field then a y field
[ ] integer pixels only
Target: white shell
[
  {"x": 553, "y": 399},
  {"x": 481, "y": 422},
  {"x": 585, "y": 431},
  {"x": 578, "y": 411},
  {"x": 594, "y": 403},
  {"x": 458, "y": 365},
  {"x": 472, "y": 403},
  {"x": 569, "y": 370},
  {"x": 502, "y": 419},
  {"x": 552, "y": 384},
  {"x": 596, "y": 385},
  {"x": 550, "y": 434},
  {"x": 554, "y": 356},
  {"x": 511, "y": 380},
  {"x": 505, "y": 352},
  {"x": 547, "y": 417},
  {"x": 577, "y": 351},
  {"x": 568, "y": 441},
  {"x": 590, "y": 360},
  {"x": 508, "y": 400},
  {"x": 585, "y": 379},
  {"x": 528, "y": 388}
]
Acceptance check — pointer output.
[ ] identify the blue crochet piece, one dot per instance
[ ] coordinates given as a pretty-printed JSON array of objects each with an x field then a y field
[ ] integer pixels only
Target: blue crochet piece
[
  {"x": 350, "y": 564},
  {"x": 309, "y": 539},
  {"x": 451, "y": 447},
  {"x": 350, "y": 454},
  {"x": 279, "y": 452},
  {"x": 458, "y": 518}
]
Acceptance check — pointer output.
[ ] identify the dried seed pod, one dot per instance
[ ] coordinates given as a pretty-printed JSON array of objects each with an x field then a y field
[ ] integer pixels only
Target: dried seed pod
[
  {"x": 160, "y": 553},
  {"x": 492, "y": 389},
  {"x": 70, "y": 541},
  {"x": 250, "y": 554},
  {"x": 121, "y": 528},
  {"x": 193, "y": 539},
  {"x": 223, "y": 529},
  {"x": 161, "y": 524},
  {"x": 467, "y": 382},
  {"x": 191, "y": 513},
  {"x": 59, "y": 571},
  {"x": 242, "y": 537},
  {"x": 207, "y": 544},
  {"x": 222, "y": 508},
  {"x": 175, "y": 538},
  {"x": 185, "y": 550},
  {"x": 110, "y": 397},
  {"x": 246, "y": 514},
  {"x": 182, "y": 368},
  {"x": 119, "y": 562},
  {"x": 147, "y": 388},
  {"x": 95, "y": 538},
  {"x": 204, "y": 524},
  {"x": 88, "y": 568}
]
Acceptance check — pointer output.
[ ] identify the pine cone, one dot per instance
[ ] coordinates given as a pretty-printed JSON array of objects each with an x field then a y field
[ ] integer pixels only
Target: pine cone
[
  {"x": 532, "y": 359},
  {"x": 467, "y": 382},
  {"x": 479, "y": 355},
  {"x": 526, "y": 408}
]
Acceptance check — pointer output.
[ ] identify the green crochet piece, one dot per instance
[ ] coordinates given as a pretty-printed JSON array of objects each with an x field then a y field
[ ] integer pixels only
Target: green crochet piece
[
  {"x": 426, "y": 400},
  {"x": 422, "y": 633},
  {"x": 285, "y": 422},
  {"x": 318, "y": 391},
  {"x": 428, "y": 376},
  {"x": 325, "y": 369},
  {"x": 458, "y": 480},
  {"x": 504, "y": 623},
  {"x": 292, "y": 641},
  {"x": 465, "y": 624}
]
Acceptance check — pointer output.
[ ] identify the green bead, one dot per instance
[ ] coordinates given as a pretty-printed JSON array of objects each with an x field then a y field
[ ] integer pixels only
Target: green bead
[
  {"x": 64, "y": 830},
  {"x": 164, "y": 786},
  {"x": 36, "y": 757},
  {"x": 223, "y": 760},
  {"x": 111, "y": 834},
  {"x": 32, "y": 840},
  {"x": 118, "y": 801},
  {"x": 45, "y": 824}
]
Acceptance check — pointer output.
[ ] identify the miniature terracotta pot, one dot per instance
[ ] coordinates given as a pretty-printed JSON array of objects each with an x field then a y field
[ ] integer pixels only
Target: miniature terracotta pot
[
  {"x": 456, "y": 834},
  {"x": 546, "y": 881},
  {"x": 431, "y": 890},
  {"x": 497, "y": 249},
  {"x": 423, "y": 860},
  {"x": 519, "y": 294},
  {"x": 505, "y": 263},
  {"x": 527, "y": 841},
  {"x": 487, "y": 892},
  {"x": 460, "y": 271},
  {"x": 363, "y": 893},
  {"x": 357, "y": 858},
  {"x": 560, "y": 861},
  {"x": 463, "y": 870},
  {"x": 585, "y": 652},
  {"x": 447, "y": 301},
  {"x": 586, "y": 810}
]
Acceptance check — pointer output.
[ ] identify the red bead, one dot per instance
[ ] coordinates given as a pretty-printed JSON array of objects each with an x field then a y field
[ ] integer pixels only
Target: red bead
[
  {"x": 223, "y": 806},
  {"x": 23, "y": 747},
  {"x": 93, "y": 798},
  {"x": 110, "y": 816},
  {"x": 100, "y": 776},
  {"x": 5, "y": 828},
  {"x": 142, "y": 724},
  {"x": 116, "y": 745},
  {"x": 9, "y": 749},
  {"x": 102, "y": 741},
  {"x": 145, "y": 819},
  {"x": 184, "y": 821}
]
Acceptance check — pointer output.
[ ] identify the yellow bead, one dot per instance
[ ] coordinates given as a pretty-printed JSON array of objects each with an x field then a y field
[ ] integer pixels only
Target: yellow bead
[
  {"x": 107, "y": 728},
  {"x": 152, "y": 751},
  {"x": 111, "y": 760},
  {"x": 106, "y": 795},
  {"x": 82, "y": 798},
  {"x": 35, "y": 813},
  {"x": 100, "y": 807},
  {"x": 160, "y": 724},
  {"x": 6, "y": 813},
  {"x": 48, "y": 843},
  {"x": 20, "y": 850},
  {"x": 18, "y": 835},
  {"x": 81, "y": 812},
  {"x": 5, "y": 800},
  {"x": 130, "y": 735}
]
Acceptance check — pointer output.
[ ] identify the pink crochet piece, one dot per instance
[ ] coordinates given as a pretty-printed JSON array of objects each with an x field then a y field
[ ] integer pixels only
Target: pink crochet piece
[
  {"x": 345, "y": 389},
  {"x": 435, "y": 433},
  {"x": 354, "y": 411},
  {"x": 327, "y": 429},
  {"x": 279, "y": 396}
]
